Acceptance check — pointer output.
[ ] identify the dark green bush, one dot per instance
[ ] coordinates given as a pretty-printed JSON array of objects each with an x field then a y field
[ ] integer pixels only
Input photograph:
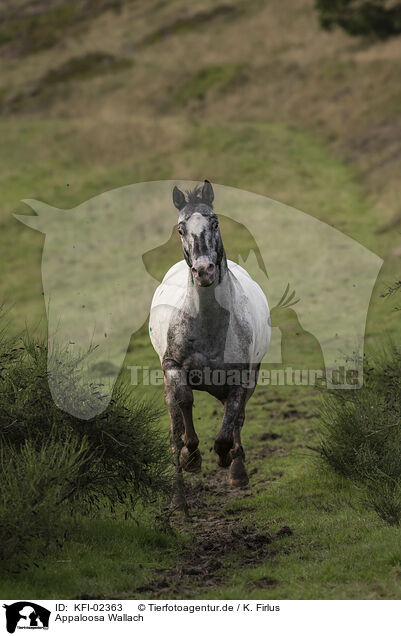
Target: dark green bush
[
  {"x": 35, "y": 486},
  {"x": 378, "y": 19},
  {"x": 54, "y": 463},
  {"x": 126, "y": 449},
  {"x": 362, "y": 434}
]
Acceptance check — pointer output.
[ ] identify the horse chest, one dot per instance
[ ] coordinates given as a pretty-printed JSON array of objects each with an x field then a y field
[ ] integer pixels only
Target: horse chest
[
  {"x": 230, "y": 328},
  {"x": 195, "y": 343}
]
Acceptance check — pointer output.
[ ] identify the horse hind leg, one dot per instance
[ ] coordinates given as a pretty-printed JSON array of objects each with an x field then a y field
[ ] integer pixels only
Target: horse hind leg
[
  {"x": 223, "y": 444},
  {"x": 228, "y": 441},
  {"x": 224, "y": 440}
]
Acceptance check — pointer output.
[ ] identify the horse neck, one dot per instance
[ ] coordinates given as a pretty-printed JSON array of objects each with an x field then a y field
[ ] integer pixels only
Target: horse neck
[{"x": 202, "y": 300}]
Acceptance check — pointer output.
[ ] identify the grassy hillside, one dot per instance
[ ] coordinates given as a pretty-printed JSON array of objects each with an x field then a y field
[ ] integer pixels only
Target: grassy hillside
[{"x": 253, "y": 94}]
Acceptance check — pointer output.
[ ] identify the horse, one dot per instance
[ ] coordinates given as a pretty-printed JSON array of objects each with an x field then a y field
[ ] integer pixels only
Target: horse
[{"x": 209, "y": 325}]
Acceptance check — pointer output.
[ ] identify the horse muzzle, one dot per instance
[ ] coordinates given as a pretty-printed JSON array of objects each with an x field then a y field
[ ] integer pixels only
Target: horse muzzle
[{"x": 203, "y": 272}]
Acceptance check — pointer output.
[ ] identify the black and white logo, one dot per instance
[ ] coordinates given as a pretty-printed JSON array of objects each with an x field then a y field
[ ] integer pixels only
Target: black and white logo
[{"x": 26, "y": 615}]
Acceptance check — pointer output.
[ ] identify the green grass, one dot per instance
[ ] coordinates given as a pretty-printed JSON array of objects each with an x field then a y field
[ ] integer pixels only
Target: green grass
[
  {"x": 362, "y": 434},
  {"x": 56, "y": 82},
  {"x": 338, "y": 549},
  {"x": 102, "y": 558},
  {"x": 207, "y": 79},
  {"x": 332, "y": 531},
  {"x": 258, "y": 157},
  {"x": 308, "y": 102}
]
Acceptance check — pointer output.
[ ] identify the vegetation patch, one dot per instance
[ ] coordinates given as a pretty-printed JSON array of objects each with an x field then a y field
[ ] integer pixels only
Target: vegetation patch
[
  {"x": 219, "y": 78},
  {"x": 362, "y": 434},
  {"x": 377, "y": 19},
  {"x": 75, "y": 69},
  {"x": 203, "y": 17},
  {"x": 54, "y": 464},
  {"x": 395, "y": 288},
  {"x": 191, "y": 22},
  {"x": 84, "y": 66},
  {"x": 35, "y": 26}
]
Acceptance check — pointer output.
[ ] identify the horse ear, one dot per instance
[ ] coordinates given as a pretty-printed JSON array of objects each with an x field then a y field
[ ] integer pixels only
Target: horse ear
[
  {"x": 178, "y": 198},
  {"x": 207, "y": 193}
]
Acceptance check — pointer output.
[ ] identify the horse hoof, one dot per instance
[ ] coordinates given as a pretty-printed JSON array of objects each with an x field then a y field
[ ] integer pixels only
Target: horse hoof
[
  {"x": 238, "y": 477},
  {"x": 190, "y": 462},
  {"x": 238, "y": 482}
]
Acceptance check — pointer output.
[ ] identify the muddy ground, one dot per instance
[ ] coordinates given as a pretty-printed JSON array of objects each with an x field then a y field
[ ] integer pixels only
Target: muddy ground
[{"x": 222, "y": 533}]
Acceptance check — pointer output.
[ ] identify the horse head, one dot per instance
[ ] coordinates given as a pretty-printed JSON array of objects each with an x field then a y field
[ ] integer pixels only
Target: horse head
[{"x": 198, "y": 228}]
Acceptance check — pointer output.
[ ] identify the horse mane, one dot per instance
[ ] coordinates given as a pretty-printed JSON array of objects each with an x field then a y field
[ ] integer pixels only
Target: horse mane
[{"x": 195, "y": 196}]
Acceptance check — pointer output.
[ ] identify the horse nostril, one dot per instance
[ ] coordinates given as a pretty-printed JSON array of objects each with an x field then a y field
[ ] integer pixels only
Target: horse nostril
[
  {"x": 203, "y": 271},
  {"x": 198, "y": 271}
]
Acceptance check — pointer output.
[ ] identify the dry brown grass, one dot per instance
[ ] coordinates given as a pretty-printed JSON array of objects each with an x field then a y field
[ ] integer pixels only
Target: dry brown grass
[{"x": 336, "y": 86}]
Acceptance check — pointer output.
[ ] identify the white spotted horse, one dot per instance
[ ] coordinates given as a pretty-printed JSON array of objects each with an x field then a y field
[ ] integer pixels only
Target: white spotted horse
[{"x": 209, "y": 324}]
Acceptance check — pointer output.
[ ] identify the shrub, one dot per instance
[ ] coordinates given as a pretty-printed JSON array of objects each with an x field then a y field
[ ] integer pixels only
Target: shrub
[
  {"x": 35, "y": 484},
  {"x": 362, "y": 434},
  {"x": 378, "y": 19},
  {"x": 53, "y": 462},
  {"x": 126, "y": 449}
]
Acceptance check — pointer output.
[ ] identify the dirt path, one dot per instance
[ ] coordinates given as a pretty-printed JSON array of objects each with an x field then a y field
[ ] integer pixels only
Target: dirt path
[{"x": 221, "y": 539}]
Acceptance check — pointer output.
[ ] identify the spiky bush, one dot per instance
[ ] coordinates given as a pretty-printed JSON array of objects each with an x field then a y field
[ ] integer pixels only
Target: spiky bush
[
  {"x": 53, "y": 462},
  {"x": 362, "y": 434},
  {"x": 35, "y": 484},
  {"x": 377, "y": 19}
]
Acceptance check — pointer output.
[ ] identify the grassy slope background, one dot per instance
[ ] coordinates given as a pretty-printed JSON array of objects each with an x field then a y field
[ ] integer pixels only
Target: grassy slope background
[{"x": 251, "y": 95}]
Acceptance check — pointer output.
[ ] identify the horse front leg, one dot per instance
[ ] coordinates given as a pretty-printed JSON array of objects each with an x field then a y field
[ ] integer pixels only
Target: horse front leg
[
  {"x": 228, "y": 441},
  {"x": 176, "y": 434},
  {"x": 190, "y": 457}
]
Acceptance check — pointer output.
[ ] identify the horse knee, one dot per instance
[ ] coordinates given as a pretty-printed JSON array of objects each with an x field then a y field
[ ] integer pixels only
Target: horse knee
[
  {"x": 184, "y": 396},
  {"x": 171, "y": 403}
]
